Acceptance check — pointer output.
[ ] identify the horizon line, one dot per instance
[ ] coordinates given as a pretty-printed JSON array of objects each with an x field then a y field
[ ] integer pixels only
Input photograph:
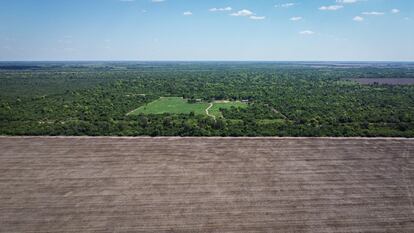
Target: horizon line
[{"x": 207, "y": 60}]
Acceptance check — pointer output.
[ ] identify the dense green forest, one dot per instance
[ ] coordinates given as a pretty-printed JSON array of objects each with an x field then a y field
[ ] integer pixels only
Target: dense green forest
[{"x": 285, "y": 99}]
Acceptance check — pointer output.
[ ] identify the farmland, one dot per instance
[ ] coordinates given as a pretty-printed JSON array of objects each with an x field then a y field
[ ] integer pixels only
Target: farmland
[{"x": 104, "y": 184}]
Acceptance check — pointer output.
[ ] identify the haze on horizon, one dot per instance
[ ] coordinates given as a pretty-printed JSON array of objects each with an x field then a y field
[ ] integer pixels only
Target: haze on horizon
[{"x": 270, "y": 30}]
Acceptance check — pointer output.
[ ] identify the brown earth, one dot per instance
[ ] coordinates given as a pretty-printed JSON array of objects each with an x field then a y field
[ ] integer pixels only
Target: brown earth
[
  {"x": 389, "y": 81},
  {"x": 206, "y": 185}
]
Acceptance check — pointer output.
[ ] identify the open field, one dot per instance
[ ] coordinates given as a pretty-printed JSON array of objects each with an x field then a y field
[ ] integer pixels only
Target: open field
[
  {"x": 179, "y": 105},
  {"x": 87, "y": 184},
  {"x": 171, "y": 105},
  {"x": 215, "y": 110}
]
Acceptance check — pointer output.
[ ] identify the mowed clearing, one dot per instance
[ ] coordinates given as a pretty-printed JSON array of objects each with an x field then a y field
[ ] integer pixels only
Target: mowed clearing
[
  {"x": 179, "y": 105},
  {"x": 175, "y": 105},
  {"x": 215, "y": 110},
  {"x": 99, "y": 184}
]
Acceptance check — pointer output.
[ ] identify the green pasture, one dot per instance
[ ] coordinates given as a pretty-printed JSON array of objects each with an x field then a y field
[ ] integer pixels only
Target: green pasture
[
  {"x": 178, "y": 105},
  {"x": 215, "y": 110},
  {"x": 175, "y": 105}
]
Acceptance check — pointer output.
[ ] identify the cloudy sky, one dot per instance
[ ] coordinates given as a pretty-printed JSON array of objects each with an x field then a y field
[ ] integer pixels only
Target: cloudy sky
[{"x": 274, "y": 30}]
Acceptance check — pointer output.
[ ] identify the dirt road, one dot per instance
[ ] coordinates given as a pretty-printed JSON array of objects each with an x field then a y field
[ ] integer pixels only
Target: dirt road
[{"x": 208, "y": 114}]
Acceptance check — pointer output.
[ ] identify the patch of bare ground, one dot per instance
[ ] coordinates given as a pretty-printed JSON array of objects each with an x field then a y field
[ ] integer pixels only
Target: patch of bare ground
[
  {"x": 389, "y": 81},
  {"x": 87, "y": 184}
]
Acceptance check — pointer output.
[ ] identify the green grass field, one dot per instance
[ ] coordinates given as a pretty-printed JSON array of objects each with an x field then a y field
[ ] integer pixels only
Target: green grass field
[
  {"x": 171, "y": 105},
  {"x": 215, "y": 110},
  {"x": 179, "y": 105}
]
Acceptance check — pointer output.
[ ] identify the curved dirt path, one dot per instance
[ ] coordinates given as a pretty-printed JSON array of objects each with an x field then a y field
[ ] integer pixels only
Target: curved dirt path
[{"x": 208, "y": 114}]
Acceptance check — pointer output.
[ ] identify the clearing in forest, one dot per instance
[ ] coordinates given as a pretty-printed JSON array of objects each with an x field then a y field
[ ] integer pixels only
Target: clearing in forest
[
  {"x": 215, "y": 109},
  {"x": 176, "y": 105},
  {"x": 179, "y": 105}
]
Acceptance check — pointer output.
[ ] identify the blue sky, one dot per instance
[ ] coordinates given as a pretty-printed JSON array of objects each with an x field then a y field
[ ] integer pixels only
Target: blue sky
[{"x": 272, "y": 30}]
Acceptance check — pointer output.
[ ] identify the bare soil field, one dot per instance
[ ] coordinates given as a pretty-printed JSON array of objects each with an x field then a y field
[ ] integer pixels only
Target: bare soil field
[
  {"x": 98, "y": 184},
  {"x": 389, "y": 81}
]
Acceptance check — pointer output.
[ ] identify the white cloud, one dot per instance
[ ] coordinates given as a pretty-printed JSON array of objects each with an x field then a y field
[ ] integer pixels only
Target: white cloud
[
  {"x": 249, "y": 14},
  {"x": 188, "y": 13},
  {"x": 254, "y": 17},
  {"x": 358, "y": 18},
  {"x": 157, "y": 1},
  {"x": 296, "y": 18},
  {"x": 330, "y": 8},
  {"x": 286, "y": 5},
  {"x": 220, "y": 9},
  {"x": 373, "y": 13},
  {"x": 346, "y": 1},
  {"x": 243, "y": 12},
  {"x": 395, "y": 11},
  {"x": 307, "y": 32},
  {"x": 127, "y": 0}
]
